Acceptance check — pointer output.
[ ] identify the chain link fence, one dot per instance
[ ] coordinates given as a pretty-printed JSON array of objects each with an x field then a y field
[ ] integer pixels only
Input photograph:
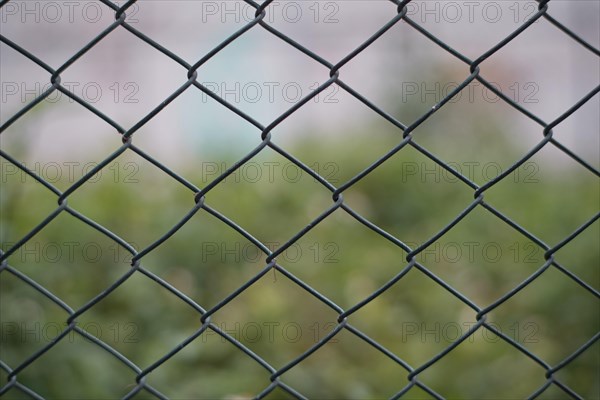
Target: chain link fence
[{"x": 200, "y": 199}]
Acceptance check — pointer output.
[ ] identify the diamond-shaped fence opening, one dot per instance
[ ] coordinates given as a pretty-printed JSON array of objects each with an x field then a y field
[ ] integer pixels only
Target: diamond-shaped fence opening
[{"x": 229, "y": 252}]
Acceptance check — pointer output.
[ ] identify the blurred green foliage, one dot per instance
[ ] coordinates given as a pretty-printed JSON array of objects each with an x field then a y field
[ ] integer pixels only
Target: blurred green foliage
[{"x": 408, "y": 196}]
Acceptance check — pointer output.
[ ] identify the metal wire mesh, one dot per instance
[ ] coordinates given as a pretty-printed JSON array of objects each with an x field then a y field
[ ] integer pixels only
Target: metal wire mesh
[{"x": 201, "y": 194}]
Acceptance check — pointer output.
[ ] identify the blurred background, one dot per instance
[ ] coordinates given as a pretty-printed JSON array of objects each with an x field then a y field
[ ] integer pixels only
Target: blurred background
[{"x": 409, "y": 196}]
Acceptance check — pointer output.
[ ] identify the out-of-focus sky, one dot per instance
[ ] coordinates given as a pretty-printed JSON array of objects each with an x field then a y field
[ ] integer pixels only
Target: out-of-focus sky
[{"x": 542, "y": 69}]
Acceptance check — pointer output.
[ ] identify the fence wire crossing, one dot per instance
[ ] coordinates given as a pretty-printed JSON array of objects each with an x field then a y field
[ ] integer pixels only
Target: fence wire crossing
[{"x": 201, "y": 198}]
